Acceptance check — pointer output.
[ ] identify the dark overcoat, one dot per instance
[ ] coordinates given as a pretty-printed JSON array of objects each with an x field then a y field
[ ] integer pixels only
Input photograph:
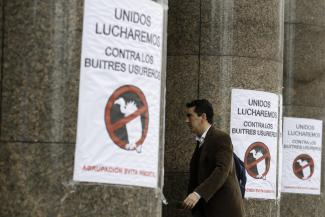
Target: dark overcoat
[{"x": 213, "y": 176}]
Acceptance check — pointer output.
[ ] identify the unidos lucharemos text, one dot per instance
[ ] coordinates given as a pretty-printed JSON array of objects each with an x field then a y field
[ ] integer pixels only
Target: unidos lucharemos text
[
  {"x": 128, "y": 25},
  {"x": 128, "y": 32},
  {"x": 259, "y": 108}
]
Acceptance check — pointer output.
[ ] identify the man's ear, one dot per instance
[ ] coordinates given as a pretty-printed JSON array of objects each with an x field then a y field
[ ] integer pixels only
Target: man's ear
[{"x": 204, "y": 116}]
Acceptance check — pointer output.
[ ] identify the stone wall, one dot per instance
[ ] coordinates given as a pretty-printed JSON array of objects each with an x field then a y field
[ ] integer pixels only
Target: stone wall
[
  {"x": 214, "y": 46},
  {"x": 40, "y": 81}
]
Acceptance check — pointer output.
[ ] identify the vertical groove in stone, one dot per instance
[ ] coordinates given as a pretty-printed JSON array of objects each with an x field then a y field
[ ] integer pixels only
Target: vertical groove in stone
[
  {"x": 304, "y": 86},
  {"x": 183, "y": 68}
]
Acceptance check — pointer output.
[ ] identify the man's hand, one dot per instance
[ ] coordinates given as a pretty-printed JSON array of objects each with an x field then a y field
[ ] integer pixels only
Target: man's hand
[{"x": 190, "y": 201}]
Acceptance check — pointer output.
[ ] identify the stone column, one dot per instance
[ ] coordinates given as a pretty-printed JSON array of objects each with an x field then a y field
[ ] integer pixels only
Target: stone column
[
  {"x": 42, "y": 44},
  {"x": 304, "y": 86},
  {"x": 215, "y": 46}
]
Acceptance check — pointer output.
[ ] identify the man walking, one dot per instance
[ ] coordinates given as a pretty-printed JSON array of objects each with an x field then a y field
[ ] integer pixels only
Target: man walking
[{"x": 213, "y": 189}]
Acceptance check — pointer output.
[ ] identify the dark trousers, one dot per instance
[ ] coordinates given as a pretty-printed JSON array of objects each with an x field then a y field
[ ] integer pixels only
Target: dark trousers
[{"x": 198, "y": 210}]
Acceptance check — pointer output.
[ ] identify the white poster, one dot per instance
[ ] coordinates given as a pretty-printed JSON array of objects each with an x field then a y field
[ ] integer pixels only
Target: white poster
[
  {"x": 302, "y": 157},
  {"x": 254, "y": 133},
  {"x": 119, "y": 96}
]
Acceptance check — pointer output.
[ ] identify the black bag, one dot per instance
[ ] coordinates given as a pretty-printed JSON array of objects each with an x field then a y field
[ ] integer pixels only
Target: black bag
[{"x": 241, "y": 174}]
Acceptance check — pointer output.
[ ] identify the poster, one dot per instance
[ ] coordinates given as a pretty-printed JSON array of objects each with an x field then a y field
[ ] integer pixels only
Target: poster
[
  {"x": 119, "y": 95},
  {"x": 254, "y": 133},
  {"x": 302, "y": 155}
]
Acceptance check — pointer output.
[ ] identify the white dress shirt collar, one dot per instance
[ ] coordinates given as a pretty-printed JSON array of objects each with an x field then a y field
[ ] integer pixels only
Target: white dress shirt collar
[{"x": 201, "y": 139}]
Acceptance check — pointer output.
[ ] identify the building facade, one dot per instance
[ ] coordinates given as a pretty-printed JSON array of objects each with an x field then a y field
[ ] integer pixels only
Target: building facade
[{"x": 213, "y": 46}]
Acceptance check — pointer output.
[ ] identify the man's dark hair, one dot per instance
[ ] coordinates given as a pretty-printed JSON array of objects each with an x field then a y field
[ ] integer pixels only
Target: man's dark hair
[{"x": 202, "y": 106}]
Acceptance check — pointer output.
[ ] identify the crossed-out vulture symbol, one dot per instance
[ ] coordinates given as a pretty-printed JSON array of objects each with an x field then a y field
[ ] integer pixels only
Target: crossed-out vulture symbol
[
  {"x": 257, "y": 160},
  {"x": 303, "y": 166},
  {"x": 127, "y": 117}
]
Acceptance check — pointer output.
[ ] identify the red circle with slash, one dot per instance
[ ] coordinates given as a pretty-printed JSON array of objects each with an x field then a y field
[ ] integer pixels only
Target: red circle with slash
[
  {"x": 251, "y": 162},
  {"x": 298, "y": 168},
  {"x": 142, "y": 111}
]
